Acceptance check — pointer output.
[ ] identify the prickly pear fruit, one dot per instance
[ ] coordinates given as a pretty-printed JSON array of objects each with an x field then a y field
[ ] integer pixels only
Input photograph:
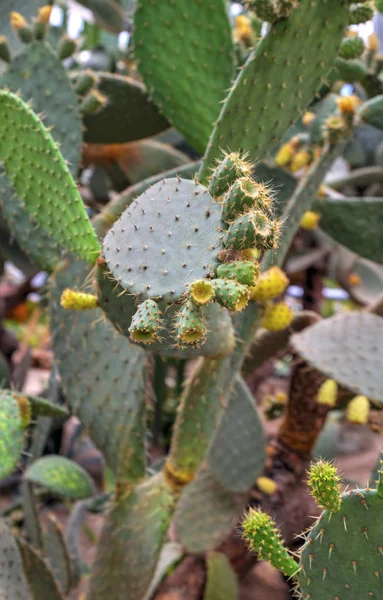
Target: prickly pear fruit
[
  {"x": 361, "y": 12},
  {"x": 300, "y": 160},
  {"x": 310, "y": 220},
  {"x": 351, "y": 47},
  {"x": 263, "y": 537},
  {"x": 190, "y": 325},
  {"x": 272, "y": 283},
  {"x": 284, "y": 154},
  {"x": 253, "y": 230},
  {"x": 230, "y": 294},
  {"x": 327, "y": 392},
  {"x": 277, "y": 317},
  {"x": 266, "y": 485},
  {"x": 244, "y": 272},
  {"x": 266, "y": 10},
  {"x": 201, "y": 291},
  {"x": 74, "y": 300},
  {"x": 244, "y": 195},
  {"x": 358, "y": 410},
  {"x": 348, "y": 104},
  {"x": 146, "y": 322},
  {"x": 21, "y": 27},
  {"x": 230, "y": 168},
  {"x": 324, "y": 483}
]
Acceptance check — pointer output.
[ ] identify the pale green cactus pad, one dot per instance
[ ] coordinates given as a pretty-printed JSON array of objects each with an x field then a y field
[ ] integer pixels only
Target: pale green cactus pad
[
  {"x": 61, "y": 476},
  {"x": 11, "y": 433}
]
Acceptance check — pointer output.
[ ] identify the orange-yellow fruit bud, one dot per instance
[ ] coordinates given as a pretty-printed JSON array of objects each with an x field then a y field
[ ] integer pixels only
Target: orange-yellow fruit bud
[
  {"x": 348, "y": 104},
  {"x": 308, "y": 118},
  {"x": 272, "y": 283},
  {"x": 373, "y": 43},
  {"x": 310, "y": 220},
  {"x": 277, "y": 317},
  {"x": 44, "y": 14},
  {"x": 17, "y": 21}
]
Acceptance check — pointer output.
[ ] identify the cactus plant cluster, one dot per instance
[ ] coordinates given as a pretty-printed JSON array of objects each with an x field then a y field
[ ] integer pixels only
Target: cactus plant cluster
[{"x": 150, "y": 267}]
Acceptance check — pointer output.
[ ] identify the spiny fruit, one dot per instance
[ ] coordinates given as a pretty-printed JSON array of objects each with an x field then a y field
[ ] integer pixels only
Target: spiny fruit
[
  {"x": 361, "y": 12},
  {"x": 244, "y": 272},
  {"x": 310, "y": 220},
  {"x": 230, "y": 294},
  {"x": 190, "y": 325},
  {"x": 324, "y": 485},
  {"x": 201, "y": 291},
  {"x": 263, "y": 537},
  {"x": 348, "y": 104},
  {"x": 253, "y": 230},
  {"x": 358, "y": 410},
  {"x": 74, "y": 300},
  {"x": 284, "y": 154},
  {"x": 327, "y": 392},
  {"x": 230, "y": 168},
  {"x": 351, "y": 47},
  {"x": 300, "y": 160},
  {"x": 244, "y": 195},
  {"x": 146, "y": 322},
  {"x": 272, "y": 283},
  {"x": 335, "y": 129},
  {"x": 277, "y": 316}
]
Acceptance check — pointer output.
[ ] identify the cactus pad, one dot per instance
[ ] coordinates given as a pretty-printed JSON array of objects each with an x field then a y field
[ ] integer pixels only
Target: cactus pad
[
  {"x": 187, "y": 87},
  {"x": 28, "y": 10},
  {"x": 62, "y": 214},
  {"x": 13, "y": 585},
  {"x": 221, "y": 579},
  {"x": 126, "y": 97},
  {"x": 57, "y": 554},
  {"x": 343, "y": 553},
  {"x": 62, "y": 476},
  {"x": 230, "y": 294},
  {"x": 38, "y": 574},
  {"x": 279, "y": 79},
  {"x": 167, "y": 238},
  {"x": 96, "y": 382},
  {"x": 11, "y": 433},
  {"x": 355, "y": 360}
]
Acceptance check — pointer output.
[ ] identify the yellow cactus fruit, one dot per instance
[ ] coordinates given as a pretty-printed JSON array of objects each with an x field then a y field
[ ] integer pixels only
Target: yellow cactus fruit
[
  {"x": 284, "y": 155},
  {"x": 373, "y": 43},
  {"x": 266, "y": 485},
  {"x": 251, "y": 254},
  {"x": 308, "y": 118},
  {"x": 348, "y": 104},
  {"x": 17, "y": 21},
  {"x": 310, "y": 220},
  {"x": 358, "y": 410},
  {"x": 327, "y": 392},
  {"x": 243, "y": 31},
  {"x": 300, "y": 159},
  {"x": 321, "y": 191},
  {"x": 277, "y": 317},
  {"x": 334, "y": 129},
  {"x": 281, "y": 397},
  {"x": 354, "y": 279},
  {"x": 44, "y": 14},
  {"x": 74, "y": 300},
  {"x": 272, "y": 283},
  {"x": 25, "y": 410},
  {"x": 201, "y": 291}
]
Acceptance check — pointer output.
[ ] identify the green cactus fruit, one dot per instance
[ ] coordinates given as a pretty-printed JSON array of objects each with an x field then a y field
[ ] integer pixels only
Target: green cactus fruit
[
  {"x": 230, "y": 294},
  {"x": 65, "y": 47},
  {"x": 266, "y": 10},
  {"x": 286, "y": 7},
  {"x": 244, "y": 195},
  {"x": 146, "y": 322},
  {"x": 351, "y": 47},
  {"x": 5, "y": 53},
  {"x": 324, "y": 484},
  {"x": 201, "y": 291},
  {"x": 190, "y": 325},
  {"x": 21, "y": 27},
  {"x": 37, "y": 171},
  {"x": 361, "y": 12},
  {"x": 11, "y": 433},
  {"x": 245, "y": 272},
  {"x": 61, "y": 476},
  {"x": 93, "y": 102},
  {"x": 350, "y": 70},
  {"x": 167, "y": 238},
  {"x": 227, "y": 171},
  {"x": 41, "y": 23},
  {"x": 372, "y": 111},
  {"x": 263, "y": 537},
  {"x": 85, "y": 82},
  {"x": 253, "y": 230}
]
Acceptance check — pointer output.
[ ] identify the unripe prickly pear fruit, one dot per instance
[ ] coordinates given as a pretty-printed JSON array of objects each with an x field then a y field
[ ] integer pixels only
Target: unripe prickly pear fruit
[
  {"x": 266, "y": 10},
  {"x": 21, "y": 27},
  {"x": 300, "y": 159},
  {"x": 201, "y": 291},
  {"x": 244, "y": 272},
  {"x": 230, "y": 294},
  {"x": 66, "y": 47},
  {"x": 358, "y": 410},
  {"x": 93, "y": 102},
  {"x": 244, "y": 195},
  {"x": 253, "y": 230},
  {"x": 277, "y": 317},
  {"x": 263, "y": 537},
  {"x": 146, "y": 323},
  {"x": 272, "y": 283},
  {"x": 266, "y": 485},
  {"x": 25, "y": 411},
  {"x": 350, "y": 70},
  {"x": 86, "y": 81},
  {"x": 361, "y": 12},
  {"x": 190, "y": 325},
  {"x": 230, "y": 168},
  {"x": 327, "y": 392},
  {"x": 310, "y": 220},
  {"x": 74, "y": 300},
  {"x": 324, "y": 483},
  {"x": 5, "y": 53},
  {"x": 286, "y": 7},
  {"x": 40, "y": 26},
  {"x": 351, "y": 47}
]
